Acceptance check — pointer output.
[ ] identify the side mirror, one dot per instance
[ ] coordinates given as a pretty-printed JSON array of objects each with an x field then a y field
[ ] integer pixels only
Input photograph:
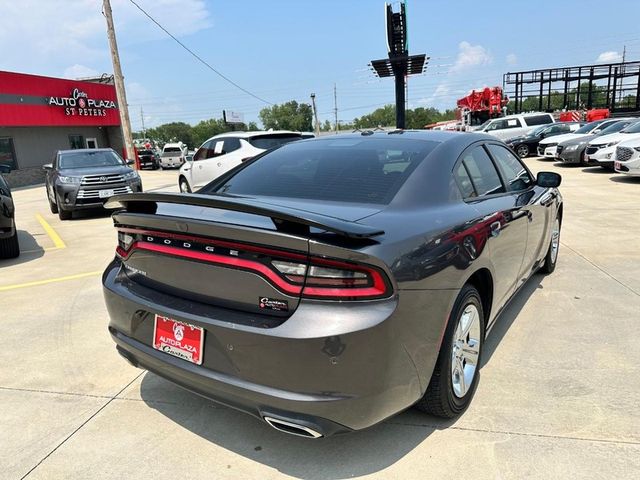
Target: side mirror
[
  {"x": 131, "y": 162},
  {"x": 47, "y": 166},
  {"x": 549, "y": 179},
  {"x": 597, "y": 130},
  {"x": 5, "y": 169}
]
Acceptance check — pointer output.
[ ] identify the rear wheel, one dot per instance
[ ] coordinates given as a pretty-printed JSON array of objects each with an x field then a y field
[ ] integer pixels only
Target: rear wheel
[
  {"x": 184, "y": 186},
  {"x": 554, "y": 246},
  {"x": 456, "y": 373},
  {"x": 522, "y": 150},
  {"x": 9, "y": 247}
]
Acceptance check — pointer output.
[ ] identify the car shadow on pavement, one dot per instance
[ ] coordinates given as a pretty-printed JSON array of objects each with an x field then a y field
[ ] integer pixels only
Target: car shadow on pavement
[
  {"x": 340, "y": 456},
  {"x": 91, "y": 213},
  {"x": 597, "y": 170},
  {"x": 509, "y": 315},
  {"x": 29, "y": 250},
  {"x": 625, "y": 179}
]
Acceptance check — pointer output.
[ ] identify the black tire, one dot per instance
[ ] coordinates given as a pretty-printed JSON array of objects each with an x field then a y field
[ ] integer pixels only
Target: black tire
[
  {"x": 440, "y": 399},
  {"x": 184, "y": 186},
  {"x": 551, "y": 259},
  {"x": 522, "y": 150},
  {"x": 583, "y": 159},
  {"x": 64, "y": 214},
  {"x": 10, "y": 247},
  {"x": 52, "y": 206}
]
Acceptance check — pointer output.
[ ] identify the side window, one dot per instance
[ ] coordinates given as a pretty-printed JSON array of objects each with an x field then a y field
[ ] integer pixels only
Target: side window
[
  {"x": 231, "y": 145},
  {"x": 202, "y": 152},
  {"x": 513, "y": 123},
  {"x": 216, "y": 149},
  {"x": 464, "y": 181},
  {"x": 513, "y": 170},
  {"x": 482, "y": 171},
  {"x": 534, "y": 120}
]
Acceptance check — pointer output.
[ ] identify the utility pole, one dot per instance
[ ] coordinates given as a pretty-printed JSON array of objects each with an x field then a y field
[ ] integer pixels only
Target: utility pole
[
  {"x": 335, "y": 105},
  {"x": 315, "y": 114},
  {"x": 119, "y": 81},
  {"x": 144, "y": 130}
]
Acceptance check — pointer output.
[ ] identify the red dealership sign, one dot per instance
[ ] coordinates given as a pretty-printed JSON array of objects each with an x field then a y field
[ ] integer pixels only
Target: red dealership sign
[{"x": 32, "y": 100}]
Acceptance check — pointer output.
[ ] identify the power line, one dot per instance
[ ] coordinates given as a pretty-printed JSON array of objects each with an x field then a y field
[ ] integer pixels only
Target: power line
[{"x": 197, "y": 57}]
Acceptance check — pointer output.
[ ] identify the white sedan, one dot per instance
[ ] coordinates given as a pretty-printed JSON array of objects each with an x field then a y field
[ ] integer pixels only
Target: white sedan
[{"x": 627, "y": 159}]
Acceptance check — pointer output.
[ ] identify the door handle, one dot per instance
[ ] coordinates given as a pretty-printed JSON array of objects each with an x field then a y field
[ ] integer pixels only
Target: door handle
[{"x": 495, "y": 229}]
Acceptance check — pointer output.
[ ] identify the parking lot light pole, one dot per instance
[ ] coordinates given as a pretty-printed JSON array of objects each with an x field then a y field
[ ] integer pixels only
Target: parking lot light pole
[{"x": 123, "y": 107}]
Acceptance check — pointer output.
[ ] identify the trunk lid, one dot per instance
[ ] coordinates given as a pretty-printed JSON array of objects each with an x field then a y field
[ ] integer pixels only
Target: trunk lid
[{"x": 242, "y": 254}]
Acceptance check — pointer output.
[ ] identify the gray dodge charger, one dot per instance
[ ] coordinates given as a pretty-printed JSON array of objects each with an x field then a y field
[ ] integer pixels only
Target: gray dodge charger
[{"x": 328, "y": 284}]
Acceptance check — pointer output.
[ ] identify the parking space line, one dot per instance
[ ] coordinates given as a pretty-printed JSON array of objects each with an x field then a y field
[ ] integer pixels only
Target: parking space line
[
  {"x": 50, "y": 280},
  {"x": 53, "y": 235}
]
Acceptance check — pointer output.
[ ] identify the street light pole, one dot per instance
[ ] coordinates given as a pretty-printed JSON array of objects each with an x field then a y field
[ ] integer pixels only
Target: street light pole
[{"x": 119, "y": 82}]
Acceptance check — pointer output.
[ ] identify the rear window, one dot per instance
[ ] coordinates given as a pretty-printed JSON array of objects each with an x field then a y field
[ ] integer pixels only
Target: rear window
[
  {"x": 171, "y": 150},
  {"x": 532, "y": 120},
  {"x": 266, "y": 142},
  {"x": 351, "y": 170}
]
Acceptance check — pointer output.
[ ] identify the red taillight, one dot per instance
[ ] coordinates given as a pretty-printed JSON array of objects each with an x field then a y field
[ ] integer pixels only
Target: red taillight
[{"x": 292, "y": 273}]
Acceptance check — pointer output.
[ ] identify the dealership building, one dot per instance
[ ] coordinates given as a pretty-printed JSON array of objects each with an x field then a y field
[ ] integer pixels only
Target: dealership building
[{"x": 40, "y": 115}]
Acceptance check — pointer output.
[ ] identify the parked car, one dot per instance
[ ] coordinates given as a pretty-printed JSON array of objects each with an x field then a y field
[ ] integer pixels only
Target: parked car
[
  {"x": 86, "y": 178},
  {"x": 223, "y": 152},
  {"x": 148, "y": 159},
  {"x": 574, "y": 150},
  {"x": 627, "y": 158},
  {"x": 601, "y": 150},
  {"x": 9, "y": 244},
  {"x": 525, "y": 145},
  {"x": 331, "y": 283},
  {"x": 173, "y": 155},
  {"x": 547, "y": 147},
  {"x": 515, "y": 125}
]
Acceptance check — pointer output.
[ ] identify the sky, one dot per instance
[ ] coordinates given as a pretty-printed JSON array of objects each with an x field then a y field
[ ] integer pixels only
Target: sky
[{"x": 285, "y": 50}]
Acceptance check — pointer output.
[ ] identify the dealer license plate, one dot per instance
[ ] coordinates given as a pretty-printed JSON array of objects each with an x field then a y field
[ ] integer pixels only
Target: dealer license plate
[
  {"x": 616, "y": 165},
  {"x": 106, "y": 193},
  {"x": 178, "y": 339}
]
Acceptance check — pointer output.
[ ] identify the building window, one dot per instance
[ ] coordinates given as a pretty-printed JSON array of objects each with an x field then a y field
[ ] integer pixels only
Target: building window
[
  {"x": 76, "y": 141},
  {"x": 7, "y": 153}
]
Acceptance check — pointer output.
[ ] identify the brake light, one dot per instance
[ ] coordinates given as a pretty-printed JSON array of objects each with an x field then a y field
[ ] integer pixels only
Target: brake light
[{"x": 292, "y": 273}]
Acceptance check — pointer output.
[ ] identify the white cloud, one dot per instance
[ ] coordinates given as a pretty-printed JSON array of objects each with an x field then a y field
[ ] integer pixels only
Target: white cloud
[
  {"x": 512, "y": 59},
  {"x": 54, "y": 34},
  {"x": 609, "y": 57},
  {"x": 79, "y": 71},
  {"x": 470, "y": 56}
]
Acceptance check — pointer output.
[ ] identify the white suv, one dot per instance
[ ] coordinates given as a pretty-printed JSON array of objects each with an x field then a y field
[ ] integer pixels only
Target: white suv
[
  {"x": 221, "y": 153},
  {"x": 515, "y": 125},
  {"x": 627, "y": 157},
  {"x": 601, "y": 150}
]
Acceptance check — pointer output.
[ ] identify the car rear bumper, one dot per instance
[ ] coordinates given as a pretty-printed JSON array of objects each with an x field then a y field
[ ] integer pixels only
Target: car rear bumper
[{"x": 354, "y": 375}]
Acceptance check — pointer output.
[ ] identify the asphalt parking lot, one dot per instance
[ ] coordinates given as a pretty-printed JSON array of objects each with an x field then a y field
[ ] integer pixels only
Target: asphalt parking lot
[{"x": 558, "y": 396}]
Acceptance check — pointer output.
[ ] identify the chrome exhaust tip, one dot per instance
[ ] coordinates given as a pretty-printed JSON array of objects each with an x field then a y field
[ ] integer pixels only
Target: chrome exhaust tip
[{"x": 292, "y": 428}]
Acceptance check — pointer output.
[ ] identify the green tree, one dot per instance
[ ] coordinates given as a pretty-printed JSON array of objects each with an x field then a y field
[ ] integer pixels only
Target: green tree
[
  {"x": 287, "y": 116},
  {"x": 172, "y": 132},
  {"x": 326, "y": 126},
  {"x": 381, "y": 117}
]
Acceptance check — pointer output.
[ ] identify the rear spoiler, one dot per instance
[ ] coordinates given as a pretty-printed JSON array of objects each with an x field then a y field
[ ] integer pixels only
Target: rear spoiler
[{"x": 284, "y": 218}]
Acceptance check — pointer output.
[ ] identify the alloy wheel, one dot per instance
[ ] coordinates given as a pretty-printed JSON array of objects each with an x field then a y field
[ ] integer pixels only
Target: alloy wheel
[
  {"x": 465, "y": 351},
  {"x": 555, "y": 240}
]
